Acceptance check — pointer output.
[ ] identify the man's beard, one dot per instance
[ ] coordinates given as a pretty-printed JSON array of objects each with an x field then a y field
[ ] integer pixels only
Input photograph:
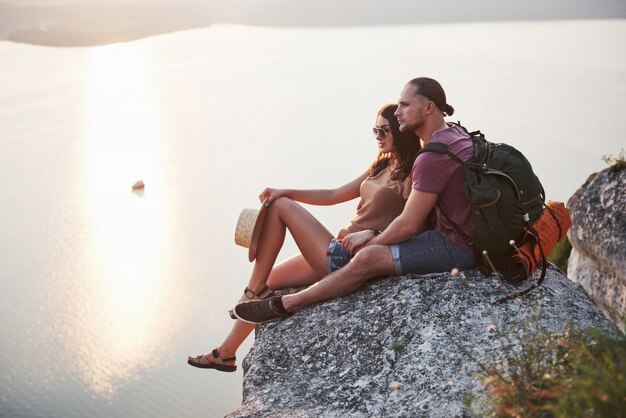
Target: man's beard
[{"x": 413, "y": 127}]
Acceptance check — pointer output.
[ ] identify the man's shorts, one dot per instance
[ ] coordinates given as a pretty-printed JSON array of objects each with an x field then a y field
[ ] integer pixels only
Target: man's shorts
[
  {"x": 430, "y": 252},
  {"x": 336, "y": 256}
]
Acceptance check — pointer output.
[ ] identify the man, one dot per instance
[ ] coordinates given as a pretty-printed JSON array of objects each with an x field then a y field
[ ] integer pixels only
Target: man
[{"x": 403, "y": 247}]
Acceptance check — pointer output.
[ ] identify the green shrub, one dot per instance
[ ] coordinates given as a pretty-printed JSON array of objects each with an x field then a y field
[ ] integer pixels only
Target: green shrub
[
  {"x": 570, "y": 374},
  {"x": 560, "y": 254},
  {"x": 596, "y": 380}
]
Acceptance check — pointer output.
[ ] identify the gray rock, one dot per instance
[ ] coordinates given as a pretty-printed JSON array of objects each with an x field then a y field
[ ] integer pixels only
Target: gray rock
[
  {"x": 405, "y": 346},
  {"x": 598, "y": 237}
]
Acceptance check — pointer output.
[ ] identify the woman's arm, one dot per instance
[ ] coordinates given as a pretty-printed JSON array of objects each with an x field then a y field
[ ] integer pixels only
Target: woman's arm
[{"x": 320, "y": 197}]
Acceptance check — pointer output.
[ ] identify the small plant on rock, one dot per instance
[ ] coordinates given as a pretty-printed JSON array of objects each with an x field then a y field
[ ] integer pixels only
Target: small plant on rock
[
  {"x": 569, "y": 374},
  {"x": 398, "y": 345},
  {"x": 615, "y": 163}
]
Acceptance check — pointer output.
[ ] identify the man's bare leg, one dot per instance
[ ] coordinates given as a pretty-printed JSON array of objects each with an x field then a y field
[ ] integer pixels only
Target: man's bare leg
[{"x": 370, "y": 262}]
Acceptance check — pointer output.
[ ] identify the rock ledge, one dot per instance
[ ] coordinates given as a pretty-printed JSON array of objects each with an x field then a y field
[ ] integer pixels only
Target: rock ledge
[{"x": 402, "y": 346}]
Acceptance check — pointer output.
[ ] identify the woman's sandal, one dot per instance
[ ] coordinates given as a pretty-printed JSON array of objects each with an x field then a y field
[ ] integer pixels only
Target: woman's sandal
[
  {"x": 195, "y": 362},
  {"x": 261, "y": 294},
  {"x": 264, "y": 293}
]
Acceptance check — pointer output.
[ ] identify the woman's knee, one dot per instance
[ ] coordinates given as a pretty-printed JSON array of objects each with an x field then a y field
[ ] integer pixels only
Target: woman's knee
[
  {"x": 279, "y": 206},
  {"x": 282, "y": 203}
]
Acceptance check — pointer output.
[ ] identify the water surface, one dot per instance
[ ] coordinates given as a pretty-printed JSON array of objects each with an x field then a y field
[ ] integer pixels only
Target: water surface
[{"x": 105, "y": 291}]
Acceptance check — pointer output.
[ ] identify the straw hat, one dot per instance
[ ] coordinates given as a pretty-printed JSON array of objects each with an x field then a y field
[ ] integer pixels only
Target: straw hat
[{"x": 248, "y": 229}]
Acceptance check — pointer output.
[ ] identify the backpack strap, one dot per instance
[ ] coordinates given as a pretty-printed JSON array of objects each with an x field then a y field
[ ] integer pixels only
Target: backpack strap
[
  {"x": 466, "y": 238},
  {"x": 471, "y": 134},
  {"x": 556, "y": 221},
  {"x": 440, "y": 148}
]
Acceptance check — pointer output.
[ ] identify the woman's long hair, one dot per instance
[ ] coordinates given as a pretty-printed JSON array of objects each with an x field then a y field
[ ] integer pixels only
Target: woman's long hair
[{"x": 407, "y": 145}]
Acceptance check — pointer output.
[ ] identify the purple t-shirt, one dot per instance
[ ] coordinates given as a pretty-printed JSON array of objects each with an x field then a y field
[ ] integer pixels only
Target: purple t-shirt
[{"x": 437, "y": 173}]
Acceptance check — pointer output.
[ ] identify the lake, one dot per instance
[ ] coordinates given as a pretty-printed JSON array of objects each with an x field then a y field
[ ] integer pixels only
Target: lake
[{"x": 106, "y": 291}]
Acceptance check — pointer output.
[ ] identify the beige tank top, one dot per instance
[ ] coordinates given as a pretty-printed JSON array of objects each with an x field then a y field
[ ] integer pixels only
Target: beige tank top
[{"x": 382, "y": 200}]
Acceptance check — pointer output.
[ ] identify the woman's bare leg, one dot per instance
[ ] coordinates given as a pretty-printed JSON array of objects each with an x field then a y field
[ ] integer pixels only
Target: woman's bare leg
[
  {"x": 309, "y": 234},
  {"x": 312, "y": 239},
  {"x": 290, "y": 273}
]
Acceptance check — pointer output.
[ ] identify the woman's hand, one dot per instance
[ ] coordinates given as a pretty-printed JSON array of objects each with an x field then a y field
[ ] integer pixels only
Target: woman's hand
[
  {"x": 270, "y": 194},
  {"x": 354, "y": 241}
]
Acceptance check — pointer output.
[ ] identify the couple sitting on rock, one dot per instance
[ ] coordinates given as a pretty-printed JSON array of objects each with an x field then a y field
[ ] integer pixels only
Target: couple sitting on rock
[{"x": 389, "y": 234}]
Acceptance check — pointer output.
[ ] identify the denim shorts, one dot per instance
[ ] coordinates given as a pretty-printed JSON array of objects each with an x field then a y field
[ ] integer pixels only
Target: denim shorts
[
  {"x": 430, "y": 252},
  {"x": 336, "y": 256}
]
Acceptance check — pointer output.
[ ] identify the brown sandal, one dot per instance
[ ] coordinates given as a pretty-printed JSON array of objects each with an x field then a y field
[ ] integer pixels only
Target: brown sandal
[
  {"x": 217, "y": 366},
  {"x": 261, "y": 294},
  {"x": 264, "y": 293}
]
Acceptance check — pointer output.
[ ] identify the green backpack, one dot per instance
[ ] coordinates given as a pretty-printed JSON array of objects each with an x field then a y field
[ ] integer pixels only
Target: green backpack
[{"x": 506, "y": 198}]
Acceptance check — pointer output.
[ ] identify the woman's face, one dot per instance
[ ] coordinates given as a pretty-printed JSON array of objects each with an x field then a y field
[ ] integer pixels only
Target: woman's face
[{"x": 383, "y": 135}]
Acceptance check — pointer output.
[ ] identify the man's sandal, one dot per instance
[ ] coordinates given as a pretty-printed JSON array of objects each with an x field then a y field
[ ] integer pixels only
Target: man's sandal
[
  {"x": 264, "y": 293},
  {"x": 195, "y": 362}
]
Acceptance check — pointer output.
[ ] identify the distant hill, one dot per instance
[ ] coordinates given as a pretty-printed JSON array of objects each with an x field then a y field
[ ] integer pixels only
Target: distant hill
[
  {"x": 78, "y": 23},
  {"x": 389, "y": 12}
]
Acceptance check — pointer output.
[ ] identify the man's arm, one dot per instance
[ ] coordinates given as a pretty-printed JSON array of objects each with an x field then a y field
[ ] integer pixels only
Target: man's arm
[{"x": 410, "y": 221}]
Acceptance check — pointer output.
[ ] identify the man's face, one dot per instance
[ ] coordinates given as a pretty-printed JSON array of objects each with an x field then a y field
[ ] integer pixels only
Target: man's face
[{"x": 411, "y": 109}]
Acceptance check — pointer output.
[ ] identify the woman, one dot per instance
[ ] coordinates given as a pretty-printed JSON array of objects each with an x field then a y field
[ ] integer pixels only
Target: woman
[{"x": 383, "y": 189}]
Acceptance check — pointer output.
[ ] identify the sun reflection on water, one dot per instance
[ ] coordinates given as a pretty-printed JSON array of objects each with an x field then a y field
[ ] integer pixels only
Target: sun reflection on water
[{"x": 118, "y": 323}]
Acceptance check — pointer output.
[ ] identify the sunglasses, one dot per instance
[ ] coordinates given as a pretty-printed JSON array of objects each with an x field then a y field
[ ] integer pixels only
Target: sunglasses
[{"x": 384, "y": 131}]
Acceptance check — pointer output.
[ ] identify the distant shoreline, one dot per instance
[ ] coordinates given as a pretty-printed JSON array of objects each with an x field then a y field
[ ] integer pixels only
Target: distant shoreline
[
  {"x": 68, "y": 38},
  {"x": 88, "y": 24},
  {"x": 79, "y": 25}
]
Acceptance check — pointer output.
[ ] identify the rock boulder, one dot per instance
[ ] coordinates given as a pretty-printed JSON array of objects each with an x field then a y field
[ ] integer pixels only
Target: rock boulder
[
  {"x": 399, "y": 347},
  {"x": 598, "y": 237}
]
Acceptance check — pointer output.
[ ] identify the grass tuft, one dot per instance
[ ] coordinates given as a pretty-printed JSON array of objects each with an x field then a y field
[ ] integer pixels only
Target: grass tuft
[
  {"x": 615, "y": 163},
  {"x": 569, "y": 374}
]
